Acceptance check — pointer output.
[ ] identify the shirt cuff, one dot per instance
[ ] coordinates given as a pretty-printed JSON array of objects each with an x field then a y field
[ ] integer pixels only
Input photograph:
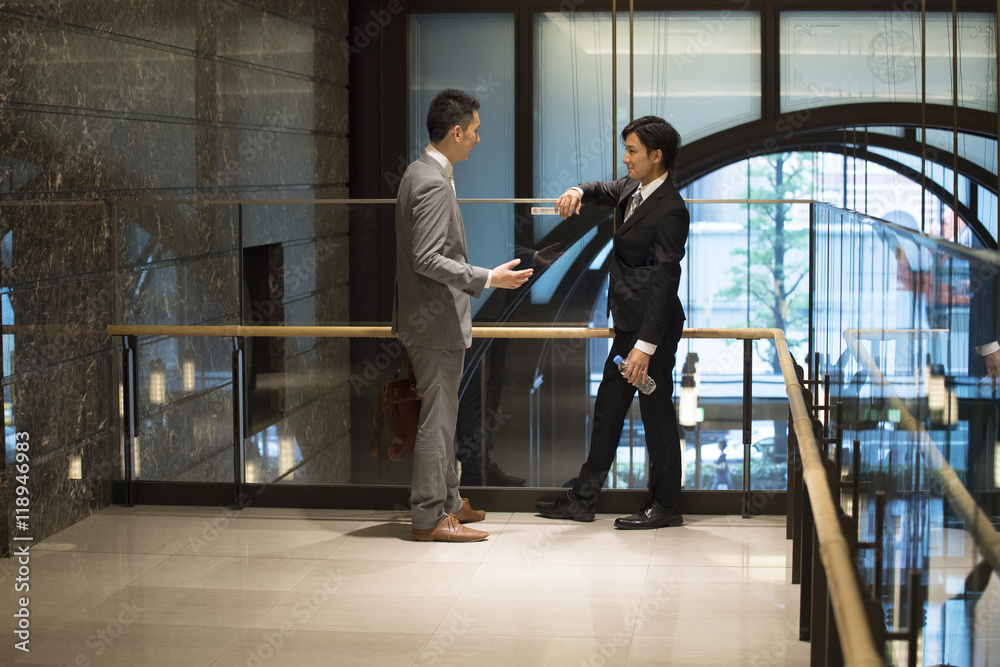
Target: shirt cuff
[
  {"x": 489, "y": 279},
  {"x": 643, "y": 346},
  {"x": 989, "y": 348},
  {"x": 580, "y": 190}
]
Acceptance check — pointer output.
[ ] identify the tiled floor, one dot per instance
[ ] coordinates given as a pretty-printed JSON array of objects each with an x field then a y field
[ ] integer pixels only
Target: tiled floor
[{"x": 205, "y": 586}]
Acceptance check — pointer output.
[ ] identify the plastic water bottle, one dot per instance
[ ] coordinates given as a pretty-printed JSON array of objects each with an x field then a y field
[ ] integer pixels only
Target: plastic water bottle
[{"x": 646, "y": 387}]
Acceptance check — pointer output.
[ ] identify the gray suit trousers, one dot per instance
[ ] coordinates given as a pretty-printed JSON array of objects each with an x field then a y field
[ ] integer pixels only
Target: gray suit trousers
[{"x": 434, "y": 494}]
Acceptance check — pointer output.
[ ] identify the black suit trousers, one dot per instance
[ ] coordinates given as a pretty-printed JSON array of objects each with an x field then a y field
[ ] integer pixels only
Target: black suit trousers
[{"x": 614, "y": 398}]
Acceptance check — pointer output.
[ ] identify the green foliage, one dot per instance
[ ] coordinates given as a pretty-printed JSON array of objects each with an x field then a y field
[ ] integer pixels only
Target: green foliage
[{"x": 773, "y": 271}]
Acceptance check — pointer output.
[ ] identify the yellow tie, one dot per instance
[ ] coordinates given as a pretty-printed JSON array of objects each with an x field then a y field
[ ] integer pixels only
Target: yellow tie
[{"x": 451, "y": 179}]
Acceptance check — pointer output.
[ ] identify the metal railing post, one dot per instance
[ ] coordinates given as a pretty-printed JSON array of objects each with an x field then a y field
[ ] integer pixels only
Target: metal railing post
[
  {"x": 239, "y": 422},
  {"x": 747, "y": 419},
  {"x": 130, "y": 412}
]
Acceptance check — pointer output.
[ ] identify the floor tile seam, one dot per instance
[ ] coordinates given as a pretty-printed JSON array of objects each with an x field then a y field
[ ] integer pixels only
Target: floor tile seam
[
  {"x": 118, "y": 552},
  {"x": 454, "y": 603},
  {"x": 278, "y": 600},
  {"x": 196, "y": 538},
  {"x": 282, "y": 558},
  {"x": 523, "y": 636},
  {"x": 145, "y": 571},
  {"x": 247, "y": 557},
  {"x": 228, "y": 646},
  {"x": 425, "y": 645},
  {"x": 296, "y": 583}
]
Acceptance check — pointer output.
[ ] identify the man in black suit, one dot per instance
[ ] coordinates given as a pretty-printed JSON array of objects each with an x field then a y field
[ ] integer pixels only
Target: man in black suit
[{"x": 648, "y": 321}]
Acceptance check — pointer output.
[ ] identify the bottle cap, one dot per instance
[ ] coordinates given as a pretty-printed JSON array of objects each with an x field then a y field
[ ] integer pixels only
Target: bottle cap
[{"x": 618, "y": 358}]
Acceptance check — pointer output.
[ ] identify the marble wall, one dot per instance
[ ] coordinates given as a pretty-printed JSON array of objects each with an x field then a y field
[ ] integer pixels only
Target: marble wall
[{"x": 107, "y": 111}]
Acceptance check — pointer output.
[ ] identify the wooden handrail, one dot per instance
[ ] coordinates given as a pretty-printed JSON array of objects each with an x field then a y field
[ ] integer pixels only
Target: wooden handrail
[
  {"x": 856, "y": 639},
  {"x": 341, "y": 202},
  {"x": 979, "y": 525},
  {"x": 363, "y": 331}
]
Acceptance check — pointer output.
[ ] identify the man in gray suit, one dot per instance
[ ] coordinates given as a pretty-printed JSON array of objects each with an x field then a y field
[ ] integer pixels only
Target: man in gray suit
[{"x": 432, "y": 311}]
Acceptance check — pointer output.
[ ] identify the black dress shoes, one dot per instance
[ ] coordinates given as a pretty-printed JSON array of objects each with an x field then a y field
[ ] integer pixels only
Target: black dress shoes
[
  {"x": 565, "y": 507},
  {"x": 653, "y": 515},
  {"x": 497, "y": 477}
]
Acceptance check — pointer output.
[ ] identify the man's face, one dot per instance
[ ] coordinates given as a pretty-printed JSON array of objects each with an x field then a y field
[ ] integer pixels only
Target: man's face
[
  {"x": 640, "y": 163},
  {"x": 468, "y": 137}
]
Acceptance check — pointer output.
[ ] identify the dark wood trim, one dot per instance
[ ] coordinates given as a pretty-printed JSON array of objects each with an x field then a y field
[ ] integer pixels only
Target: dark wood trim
[
  {"x": 524, "y": 117},
  {"x": 771, "y": 134}
]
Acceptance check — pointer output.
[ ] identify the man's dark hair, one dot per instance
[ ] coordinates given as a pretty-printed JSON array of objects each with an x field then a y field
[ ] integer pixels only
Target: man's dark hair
[
  {"x": 449, "y": 108},
  {"x": 654, "y": 133}
]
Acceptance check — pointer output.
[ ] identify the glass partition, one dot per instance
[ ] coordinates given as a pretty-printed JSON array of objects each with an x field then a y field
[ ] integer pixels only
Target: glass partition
[
  {"x": 904, "y": 325},
  {"x": 526, "y": 404},
  {"x": 698, "y": 70},
  {"x": 837, "y": 57}
]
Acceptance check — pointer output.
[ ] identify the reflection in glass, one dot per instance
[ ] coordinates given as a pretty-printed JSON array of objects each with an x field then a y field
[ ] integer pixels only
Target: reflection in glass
[
  {"x": 903, "y": 322},
  {"x": 695, "y": 69},
  {"x": 837, "y": 57}
]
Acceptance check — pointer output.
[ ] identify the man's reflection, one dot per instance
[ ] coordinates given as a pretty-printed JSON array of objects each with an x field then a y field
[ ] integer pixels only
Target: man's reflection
[{"x": 480, "y": 415}]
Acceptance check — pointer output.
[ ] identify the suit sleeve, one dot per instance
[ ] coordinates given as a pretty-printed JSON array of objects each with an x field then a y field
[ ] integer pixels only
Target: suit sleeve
[
  {"x": 665, "y": 278},
  {"x": 431, "y": 221},
  {"x": 604, "y": 193}
]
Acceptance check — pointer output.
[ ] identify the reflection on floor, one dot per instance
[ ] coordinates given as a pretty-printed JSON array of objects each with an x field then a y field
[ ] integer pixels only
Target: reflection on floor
[{"x": 206, "y": 586}]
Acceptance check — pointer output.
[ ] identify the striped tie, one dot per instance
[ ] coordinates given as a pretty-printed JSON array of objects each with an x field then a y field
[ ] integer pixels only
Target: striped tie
[{"x": 636, "y": 201}]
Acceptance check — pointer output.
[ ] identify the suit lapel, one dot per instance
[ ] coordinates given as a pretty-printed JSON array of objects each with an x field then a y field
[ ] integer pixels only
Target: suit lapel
[
  {"x": 645, "y": 207},
  {"x": 427, "y": 159}
]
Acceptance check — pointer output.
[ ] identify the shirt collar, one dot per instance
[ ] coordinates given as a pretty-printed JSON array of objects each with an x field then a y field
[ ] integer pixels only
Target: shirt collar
[
  {"x": 648, "y": 190},
  {"x": 440, "y": 158}
]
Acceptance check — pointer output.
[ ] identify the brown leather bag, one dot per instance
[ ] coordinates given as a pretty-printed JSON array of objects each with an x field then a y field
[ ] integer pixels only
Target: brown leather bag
[{"x": 397, "y": 415}]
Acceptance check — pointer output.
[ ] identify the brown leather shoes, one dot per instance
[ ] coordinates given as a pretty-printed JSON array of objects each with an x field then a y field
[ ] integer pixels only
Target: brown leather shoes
[
  {"x": 449, "y": 530},
  {"x": 466, "y": 514}
]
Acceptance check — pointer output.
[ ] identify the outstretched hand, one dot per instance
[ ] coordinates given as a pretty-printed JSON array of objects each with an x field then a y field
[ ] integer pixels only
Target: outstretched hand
[
  {"x": 547, "y": 255},
  {"x": 505, "y": 278}
]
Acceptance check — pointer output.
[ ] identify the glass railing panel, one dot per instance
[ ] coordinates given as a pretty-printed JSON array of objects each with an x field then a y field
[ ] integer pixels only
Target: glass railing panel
[
  {"x": 526, "y": 404},
  {"x": 898, "y": 320},
  {"x": 178, "y": 264},
  {"x": 185, "y": 404}
]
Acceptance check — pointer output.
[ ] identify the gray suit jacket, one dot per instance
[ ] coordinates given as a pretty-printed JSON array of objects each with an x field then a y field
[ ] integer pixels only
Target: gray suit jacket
[{"x": 432, "y": 306}]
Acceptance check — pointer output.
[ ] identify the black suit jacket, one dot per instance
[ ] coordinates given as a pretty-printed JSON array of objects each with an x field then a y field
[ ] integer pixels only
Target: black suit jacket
[
  {"x": 646, "y": 260},
  {"x": 984, "y": 312}
]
